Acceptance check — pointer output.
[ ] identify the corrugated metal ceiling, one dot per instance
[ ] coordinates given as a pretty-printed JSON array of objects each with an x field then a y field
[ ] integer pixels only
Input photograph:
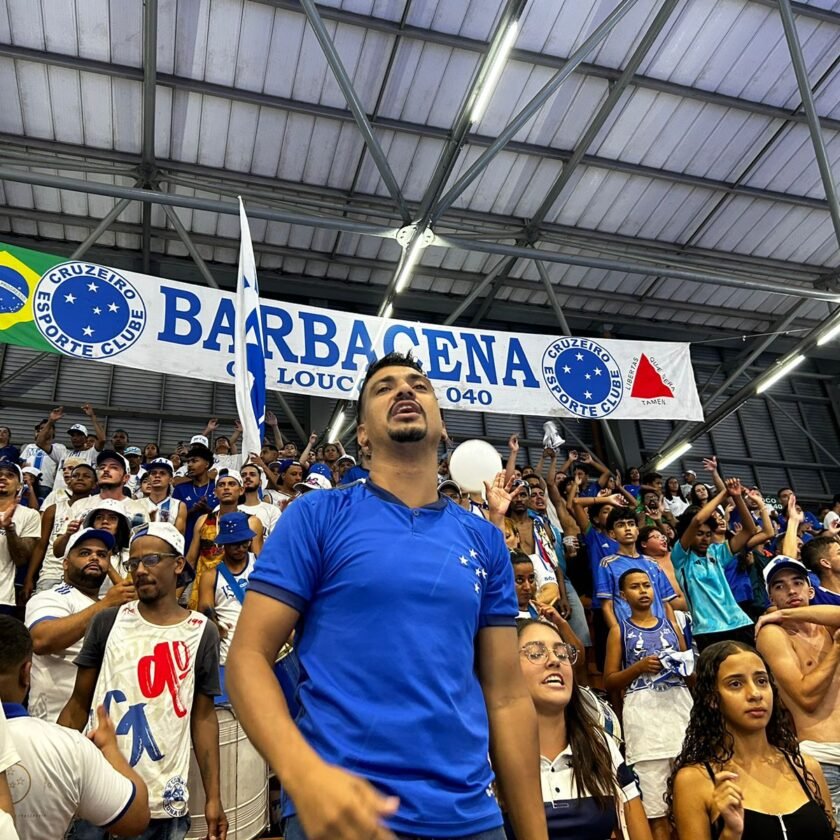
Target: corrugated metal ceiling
[{"x": 71, "y": 74}]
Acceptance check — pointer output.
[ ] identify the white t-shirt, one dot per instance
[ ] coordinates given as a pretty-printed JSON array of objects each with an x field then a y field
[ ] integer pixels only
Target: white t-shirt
[
  {"x": 8, "y": 752},
  {"x": 54, "y": 674},
  {"x": 27, "y": 523},
  {"x": 89, "y": 456},
  {"x": 267, "y": 513},
  {"x": 45, "y": 462},
  {"x": 61, "y": 774},
  {"x": 231, "y": 462},
  {"x": 148, "y": 677},
  {"x": 676, "y": 506},
  {"x": 227, "y": 604},
  {"x": 52, "y": 566}
]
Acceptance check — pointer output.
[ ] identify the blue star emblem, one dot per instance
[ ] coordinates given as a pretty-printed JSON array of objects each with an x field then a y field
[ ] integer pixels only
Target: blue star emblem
[
  {"x": 100, "y": 299},
  {"x": 581, "y": 374}
]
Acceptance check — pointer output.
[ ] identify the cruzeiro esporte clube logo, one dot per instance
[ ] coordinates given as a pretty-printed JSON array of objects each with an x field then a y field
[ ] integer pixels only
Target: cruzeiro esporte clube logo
[
  {"x": 87, "y": 310},
  {"x": 583, "y": 377}
]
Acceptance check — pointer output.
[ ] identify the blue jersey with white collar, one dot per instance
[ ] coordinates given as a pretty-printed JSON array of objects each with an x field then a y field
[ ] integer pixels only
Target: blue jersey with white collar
[{"x": 391, "y": 600}]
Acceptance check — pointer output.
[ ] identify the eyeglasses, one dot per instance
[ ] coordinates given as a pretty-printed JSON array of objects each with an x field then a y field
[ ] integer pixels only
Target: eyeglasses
[
  {"x": 537, "y": 652},
  {"x": 148, "y": 561}
]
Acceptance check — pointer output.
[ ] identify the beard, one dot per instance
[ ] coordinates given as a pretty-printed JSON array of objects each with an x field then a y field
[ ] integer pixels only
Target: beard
[
  {"x": 84, "y": 579},
  {"x": 410, "y": 434}
]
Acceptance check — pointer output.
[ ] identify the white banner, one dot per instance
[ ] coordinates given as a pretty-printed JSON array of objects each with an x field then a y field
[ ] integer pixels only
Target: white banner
[{"x": 124, "y": 318}]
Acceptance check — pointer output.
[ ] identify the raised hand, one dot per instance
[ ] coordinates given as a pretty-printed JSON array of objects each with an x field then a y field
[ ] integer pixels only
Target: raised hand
[
  {"x": 500, "y": 495},
  {"x": 212, "y": 424},
  {"x": 513, "y": 443},
  {"x": 710, "y": 464},
  {"x": 585, "y": 458},
  {"x": 733, "y": 487},
  {"x": 270, "y": 418},
  {"x": 573, "y": 454},
  {"x": 237, "y": 425},
  {"x": 87, "y": 408},
  {"x": 57, "y": 413},
  {"x": 794, "y": 512}
]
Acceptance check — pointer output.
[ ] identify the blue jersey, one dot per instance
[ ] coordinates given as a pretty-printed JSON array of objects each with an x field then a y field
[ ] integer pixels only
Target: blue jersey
[
  {"x": 610, "y": 572},
  {"x": 190, "y": 495},
  {"x": 391, "y": 601},
  {"x": 822, "y": 596},
  {"x": 598, "y": 546},
  {"x": 703, "y": 579},
  {"x": 641, "y": 642}
]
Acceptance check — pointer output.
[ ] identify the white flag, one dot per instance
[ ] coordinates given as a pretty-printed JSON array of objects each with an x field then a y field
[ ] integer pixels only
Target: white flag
[{"x": 249, "y": 346}]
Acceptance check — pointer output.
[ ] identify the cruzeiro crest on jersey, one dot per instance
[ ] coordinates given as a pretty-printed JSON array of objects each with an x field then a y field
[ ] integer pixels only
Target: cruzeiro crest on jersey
[
  {"x": 583, "y": 377},
  {"x": 88, "y": 311}
]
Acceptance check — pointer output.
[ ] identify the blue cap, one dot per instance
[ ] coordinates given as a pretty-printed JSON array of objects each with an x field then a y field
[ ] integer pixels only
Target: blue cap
[
  {"x": 321, "y": 469},
  {"x": 234, "y": 528},
  {"x": 285, "y": 464}
]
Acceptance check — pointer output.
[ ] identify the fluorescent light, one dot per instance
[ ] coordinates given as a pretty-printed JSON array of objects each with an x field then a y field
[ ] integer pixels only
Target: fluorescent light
[
  {"x": 832, "y": 333},
  {"x": 492, "y": 76},
  {"x": 388, "y": 311},
  {"x": 676, "y": 452},
  {"x": 335, "y": 429},
  {"x": 410, "y": 258},
  {"x": 780, "y": 372}
]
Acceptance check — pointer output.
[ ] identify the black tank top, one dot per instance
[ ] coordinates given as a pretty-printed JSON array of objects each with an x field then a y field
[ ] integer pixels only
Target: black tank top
[{"x": 808, "y": 821}]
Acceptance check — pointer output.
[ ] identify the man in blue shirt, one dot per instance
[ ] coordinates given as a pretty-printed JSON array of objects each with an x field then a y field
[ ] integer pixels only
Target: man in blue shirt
[
  {"x": 197, "y": 493},
  {"x": 822, "y": 558},
  {"x": 404, "y": 606}
]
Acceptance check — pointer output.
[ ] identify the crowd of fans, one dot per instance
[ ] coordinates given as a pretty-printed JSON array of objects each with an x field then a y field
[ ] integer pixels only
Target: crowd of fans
[{"x": 677, "y": 635}]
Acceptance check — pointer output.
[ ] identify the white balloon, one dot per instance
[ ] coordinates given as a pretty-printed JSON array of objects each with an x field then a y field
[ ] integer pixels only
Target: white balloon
[{"x": 473, "y": 463}]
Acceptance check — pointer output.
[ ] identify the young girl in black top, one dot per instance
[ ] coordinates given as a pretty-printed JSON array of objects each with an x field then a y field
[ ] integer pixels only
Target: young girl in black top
[{"x": 740, "y": 775}]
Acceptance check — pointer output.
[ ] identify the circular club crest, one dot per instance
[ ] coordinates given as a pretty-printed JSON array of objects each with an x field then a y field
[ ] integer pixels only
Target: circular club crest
[
  {"x": 583, "y": 377},
  {"x": 88, "y": 311}
]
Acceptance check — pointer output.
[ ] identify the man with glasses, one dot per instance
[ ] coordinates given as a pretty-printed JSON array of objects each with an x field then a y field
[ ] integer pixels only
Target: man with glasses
[
  {"x": 155, "y": 667},
  {"x": 410, "y": 669}
]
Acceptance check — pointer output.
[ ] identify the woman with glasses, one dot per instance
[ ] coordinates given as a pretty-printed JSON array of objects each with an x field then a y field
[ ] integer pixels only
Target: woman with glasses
[{"x": 585, "y": 781}]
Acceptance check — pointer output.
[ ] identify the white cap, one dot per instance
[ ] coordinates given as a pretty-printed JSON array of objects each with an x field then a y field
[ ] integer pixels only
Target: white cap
[
  {"x": 111, "y": 505},
  {"x": 78, "y": 427},
  {"x": 782, "y": 561},
  {"x": 349, "y": 458},
  {"x": 314, "y": 481},
  {"x": 202, "y": 439},
  {"x": 227, "y": 472},
  {"x": 165, "y": 531},
  {"x": 32, "y": 471}
]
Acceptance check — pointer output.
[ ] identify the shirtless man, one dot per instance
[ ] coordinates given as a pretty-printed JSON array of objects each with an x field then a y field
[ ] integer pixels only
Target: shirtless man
[{"x": 801, "y": 644}]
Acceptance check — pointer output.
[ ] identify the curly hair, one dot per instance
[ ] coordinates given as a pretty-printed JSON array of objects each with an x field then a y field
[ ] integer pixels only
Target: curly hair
[
  {"x": 707, "y": 739},
  {"x": 592, "y": 766}
]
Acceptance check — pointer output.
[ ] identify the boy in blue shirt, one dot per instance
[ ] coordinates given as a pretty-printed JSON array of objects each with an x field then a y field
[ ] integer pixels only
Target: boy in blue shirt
[
  {"x": 622, "y": 527},
  {"x": 701, "y": 569}
]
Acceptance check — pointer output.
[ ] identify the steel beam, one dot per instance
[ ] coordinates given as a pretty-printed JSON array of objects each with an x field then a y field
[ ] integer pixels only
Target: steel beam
[
  {"x": 604, "y": 112},
  {"x": 807, "y": 95},
  {"x": 189, "y": 245},
  {"x": 416, "y": 129},
  {"x": 552, "y": 299},
  {"x": 632, "y": 268},
  {"x": 173, "y": 200},
  {"x": 464, "y": 305},
  {"x": 609, "y": 74},
  {"x": 532, "y": 107},
  {"x": 356, "y": 107},
  {"x": 326, "y": 257},
  {"x": 449, "y": 154},
  {"x": 107, "y": 220},
  {"x": 287, "y": 410},
  {"x": 802, "y": 429},
  {"x": 741, "y": 365},
  {"x": 804, "y": 346}
]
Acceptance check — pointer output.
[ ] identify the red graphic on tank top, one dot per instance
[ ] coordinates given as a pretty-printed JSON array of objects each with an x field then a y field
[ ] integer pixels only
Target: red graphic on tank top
[
  {"x": 163, "y": 671},
  {"x": 648, "y": 382}
]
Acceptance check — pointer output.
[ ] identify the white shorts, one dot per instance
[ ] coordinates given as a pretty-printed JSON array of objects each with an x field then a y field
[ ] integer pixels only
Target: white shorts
[{"x": 653, "y": 780}]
